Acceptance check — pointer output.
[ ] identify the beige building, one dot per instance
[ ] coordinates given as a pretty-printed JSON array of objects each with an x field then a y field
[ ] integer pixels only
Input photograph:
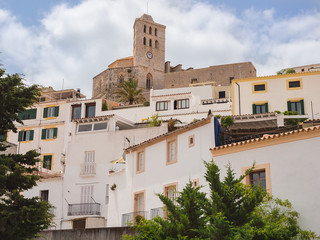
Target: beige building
[{"x": 148, "y": 66}]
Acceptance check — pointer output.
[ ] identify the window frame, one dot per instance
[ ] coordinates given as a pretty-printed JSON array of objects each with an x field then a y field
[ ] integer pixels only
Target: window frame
[
  {"x": 51, "y": 112},
  {"x": 294, "y": 80},
  {"x": 265, "y": 83},
  {"x": 89, "y": 106},
  {"x": 168, "y": 146},
  {"x": 45, "y": 132},
  {"x": 73, "y": 107},
  {"x": 258, "y": 168},
  {"x": 166, "y": 106},
  {"x": 260, "y": 104},
  {"x": 28, "y": 114},
  {"x": 296, "y": 100},
  {"x": 179, "y": 102},
  {"x": 140, "y": 153},
  {"x": 25, "y": 135},
  {"x": 135, "y": 203},
  {"x": 43, "y": 159},
  {"x": 193, "y": 140}
]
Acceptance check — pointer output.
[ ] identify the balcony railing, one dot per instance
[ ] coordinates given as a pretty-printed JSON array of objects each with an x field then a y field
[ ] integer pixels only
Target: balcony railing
[
  {"x": 88, "y": 169},
  {"x": 132, "y": 217},
  {"x": 84, "y": 209},
  {"x": 156, "y": 212}
]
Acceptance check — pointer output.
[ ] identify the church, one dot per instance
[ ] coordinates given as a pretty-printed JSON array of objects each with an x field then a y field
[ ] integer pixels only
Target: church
[{"x": 148, "y": 66}]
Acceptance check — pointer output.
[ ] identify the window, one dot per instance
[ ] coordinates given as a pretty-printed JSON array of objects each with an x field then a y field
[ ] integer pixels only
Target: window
[
  {"x": 49, "y": 133},
  {"x": 148, "y": 83},
  {"x": 144, "y": 28},
  {"x": 170, "y": 191},
  {"x": 47, "y": 161},
  {"x": 260, "y": 175},
  {"x": 76, "y": 112},
  {"x": 222, "y": 94},
  {"x": 138, "y": 206},
  {"x": 85, "y": 128},
  {"x": 156, "y": 32},
  {"x": 171, "y": 151},
  {"x": 28, "y": 114},
  {"x": 90, "y": 110},
  {"x": 260, "y": 108},
  {"x": 150, "y": 30},
  {"x": 89, "y": 163},
  {"x": 181, "y": 104},
  {"x": 194, "y": 80},
  {"x": 195, "y": 183},
  {"x": 162, "y": 106},
  {"x": 296, "y": 106},
  {"x": 150, "y": 42},
  {"x": 25, "y": 135},
  {"x": 79, "y": 223},
  {"x": 100, "y": 126},
  {"x": 260, "y": 87},
  {"x": 140, "y": 162},
  {"x": 156, "y": 44},
  {"x": 44, "y": 195},
  {"x": 144, "y": 41},
  {"x": 258, "y": 178},
  {"x": 50, "y": 112},
  {"x": 294, "y": 84},
  {"x": 191, "y": 141}
]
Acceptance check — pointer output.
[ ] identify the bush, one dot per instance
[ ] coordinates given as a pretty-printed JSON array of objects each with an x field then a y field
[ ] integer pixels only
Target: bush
[{"x": 227, "y": 121}]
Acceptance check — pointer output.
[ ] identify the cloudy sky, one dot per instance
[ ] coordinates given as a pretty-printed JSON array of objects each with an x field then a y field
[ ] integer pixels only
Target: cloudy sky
[{"x": 71, "y": 41}]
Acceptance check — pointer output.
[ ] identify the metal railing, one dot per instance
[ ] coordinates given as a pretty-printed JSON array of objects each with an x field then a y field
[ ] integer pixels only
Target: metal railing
[
  {"x": 156, "y": 212},
  {"x": 84, "y": 209},
  {"x": 133, "y": 217},
  {"x": 88, "y": 169}
]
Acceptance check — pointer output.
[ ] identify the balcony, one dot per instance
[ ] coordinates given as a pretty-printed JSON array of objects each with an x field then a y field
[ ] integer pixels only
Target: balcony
[
  {"x": 88, "y": 169},
  {"x": 156, "y": 212},
  {"x": 84, "y": 209},
  {"x": 132, "y": 217}
]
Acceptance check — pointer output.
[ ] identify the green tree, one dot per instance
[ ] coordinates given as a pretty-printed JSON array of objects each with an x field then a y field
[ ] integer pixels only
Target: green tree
[
  {"x": 231, "y": 210},
  {"x": 154, "y": 121},
  {"x": 286, "y": 71},
  {"x": 20, "y": 217},
  {"x": 128, "y": 92}
]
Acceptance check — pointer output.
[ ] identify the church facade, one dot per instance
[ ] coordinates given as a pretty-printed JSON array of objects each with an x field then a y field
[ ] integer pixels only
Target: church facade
[{"x": 148, "y": 66}]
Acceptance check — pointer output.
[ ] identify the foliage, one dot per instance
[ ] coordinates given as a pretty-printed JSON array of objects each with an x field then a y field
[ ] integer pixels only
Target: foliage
[
  {"x": 154, "y": 121},
  {"x": 146, "y": 103},
  {"x": 195, "y": 120},
  {"x": 293, "y": 121},
  {"x": 218, "y": 116},
  {"x": 286, "y": 71},
  {"x": 171, "y": 125},
  {"x": 20, "y": 217},
  {"x": 128, "y": 92},
  {"x": 227, "y": 121},
  {"x": 231, "y": 210},
  {"x": 104, "y": 107}
]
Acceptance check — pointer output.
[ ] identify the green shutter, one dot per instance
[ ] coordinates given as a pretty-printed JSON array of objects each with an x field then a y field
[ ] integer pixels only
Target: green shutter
[
  {"x": 31, "y": 135},
  {"x": 266, "y": 106},
  {"x": 289, "y": 105},
  {"x": 33, "y": 113},
  {"x": 45, "y": 112},
  {"x": 302, "y": 106},
  {"x": 20, "y": 115},
  {"x": 55, "y": 132},
  {"x": 47, "y": 162},
  {"x": 20, "y": 136},
  {"x": 56, "y": 111},
  {"x": 3, "y": 137},
  {"x": 254, "y": 111},
  {"x": 43, "y": 134}
]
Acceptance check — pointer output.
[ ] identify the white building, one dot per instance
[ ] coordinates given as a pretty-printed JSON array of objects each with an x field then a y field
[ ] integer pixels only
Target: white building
[{"x": 289, "y": 92}]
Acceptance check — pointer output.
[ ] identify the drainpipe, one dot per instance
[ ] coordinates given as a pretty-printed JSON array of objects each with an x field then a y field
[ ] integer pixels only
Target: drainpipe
[{"x": 239, "y": 97}]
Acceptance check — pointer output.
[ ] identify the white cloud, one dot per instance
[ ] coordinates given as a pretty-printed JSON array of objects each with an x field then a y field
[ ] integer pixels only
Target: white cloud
[{"x": 76, "y": 43}]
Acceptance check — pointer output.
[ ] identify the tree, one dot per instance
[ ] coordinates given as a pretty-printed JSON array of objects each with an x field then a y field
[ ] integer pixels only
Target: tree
[
  {"x": 20, "y": 217},
  {"x": 286, "y": 71},
  {"x": 128, "y": 92},
  {"x": 231, "y": 210},
  {"x": 154, "y": 120}
]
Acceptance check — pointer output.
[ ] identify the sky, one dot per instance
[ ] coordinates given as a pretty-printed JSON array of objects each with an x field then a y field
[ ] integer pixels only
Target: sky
[{"x": 65, "y": 43}]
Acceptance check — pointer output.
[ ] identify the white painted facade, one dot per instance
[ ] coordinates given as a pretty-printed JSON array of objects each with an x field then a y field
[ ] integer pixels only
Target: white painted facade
[
  {"x": 277, "y": 93},
  {"x": 294, "y": 165},
  {"x": 158, "y": 173}
]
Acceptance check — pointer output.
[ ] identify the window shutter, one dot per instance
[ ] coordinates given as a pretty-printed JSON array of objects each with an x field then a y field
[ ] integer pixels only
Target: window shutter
[
  {"x": 254, "y": 110},
  {"x": 33, "y": 113},
  {"x": 20, "y": 115},
  {"x": 43, "y": 134},
  {"x": 56, "y": 111},
  {"x": 31, "y": 135},
  {"x": 289, "y": 105},
  {"x": 302, "y": 106},
  {"x": 45, "y": 112},
  {"x": 55, "y": 132},
  {"x": 20, "y": 136},
  {"x": 266, "y": 105}
]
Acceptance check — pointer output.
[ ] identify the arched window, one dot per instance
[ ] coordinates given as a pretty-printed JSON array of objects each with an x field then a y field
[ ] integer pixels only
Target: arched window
[
  {"x": 150, "y": 42},
  {"x": 144, "y": 28},
  {"x": 150, "y": 30},
  {"x": 156, "y": 44},
  {"x": 156, "y": 32},
  {"x": 148, "y": 81},
  {"x": 144, "y": 41}
]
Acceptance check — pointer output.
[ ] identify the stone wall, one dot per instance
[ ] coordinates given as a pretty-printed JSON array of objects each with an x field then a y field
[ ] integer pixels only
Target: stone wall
[{"x": 86, "y": 234}]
